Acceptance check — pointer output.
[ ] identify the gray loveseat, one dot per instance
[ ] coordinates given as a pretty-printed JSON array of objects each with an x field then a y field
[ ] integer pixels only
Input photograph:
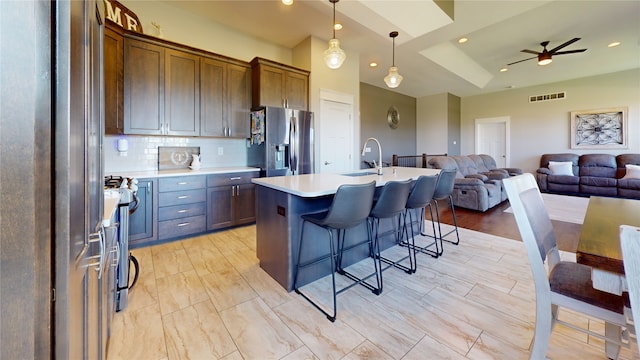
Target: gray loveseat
[
  {"x": 589, "y": 174},
  {"x": 478, "y": 184}
]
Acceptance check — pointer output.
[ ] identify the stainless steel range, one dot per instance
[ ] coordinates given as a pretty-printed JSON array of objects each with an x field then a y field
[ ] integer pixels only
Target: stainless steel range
[{"x": 128, "y": 204}]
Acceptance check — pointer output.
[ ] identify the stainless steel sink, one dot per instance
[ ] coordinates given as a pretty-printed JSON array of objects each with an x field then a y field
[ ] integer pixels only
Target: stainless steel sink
[{"x": 360, "y": 173}]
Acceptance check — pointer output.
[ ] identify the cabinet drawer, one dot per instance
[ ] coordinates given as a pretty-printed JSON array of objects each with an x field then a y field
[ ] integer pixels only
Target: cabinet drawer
[
  {"x": 181, "y": 211},
  {"x": 231, "y": 178},
  {"x": 181, "y": 183},
  {"x": 181, "y": 227},
  {"x": 182, "y": 197}
]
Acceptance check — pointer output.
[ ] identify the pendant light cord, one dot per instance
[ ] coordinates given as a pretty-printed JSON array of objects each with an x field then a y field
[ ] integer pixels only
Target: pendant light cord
[{"x": 333, "y": 26}]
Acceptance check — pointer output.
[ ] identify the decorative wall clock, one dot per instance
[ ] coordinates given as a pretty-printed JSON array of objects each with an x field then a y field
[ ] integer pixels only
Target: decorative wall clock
[{"x": 393, "y": 117}]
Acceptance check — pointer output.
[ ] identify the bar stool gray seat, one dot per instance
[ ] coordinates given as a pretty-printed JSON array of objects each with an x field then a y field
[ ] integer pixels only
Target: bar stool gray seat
[
  {"x": 420, "y": 199},
  {"x": 390, "y": 205},
  {"x": 444, "y": 190},
  {"x": 349, "y": 208}
]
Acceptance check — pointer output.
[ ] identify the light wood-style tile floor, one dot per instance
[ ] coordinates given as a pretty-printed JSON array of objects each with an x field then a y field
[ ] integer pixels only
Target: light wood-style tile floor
[{"x": 207, "y": 298}]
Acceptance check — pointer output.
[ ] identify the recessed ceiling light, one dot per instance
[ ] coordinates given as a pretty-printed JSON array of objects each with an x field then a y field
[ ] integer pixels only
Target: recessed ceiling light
[
  {"x": 614, "y": 44},
  {"x": 373, "y": 64},
  {"x": 337, "y": 26},
  {"x": 287, "y": 2},
  {"x": 462, "y": 40},
  {"x": 504, "y": 69}
]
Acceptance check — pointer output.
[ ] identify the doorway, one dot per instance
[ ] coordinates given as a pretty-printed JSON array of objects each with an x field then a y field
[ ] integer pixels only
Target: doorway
[
  {"x": 492, "y": 138},
  {"x": 335, "y": 133}
]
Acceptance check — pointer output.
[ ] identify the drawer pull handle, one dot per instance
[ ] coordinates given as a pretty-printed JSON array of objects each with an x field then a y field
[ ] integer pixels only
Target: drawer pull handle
[
  {"x": 235, "y": 178},
  {"x": 183, "y": 197},
  {"x": 183, "y": 183},
  {"x": 183, "y": 224},
  {"x": 182, "y": 211}
]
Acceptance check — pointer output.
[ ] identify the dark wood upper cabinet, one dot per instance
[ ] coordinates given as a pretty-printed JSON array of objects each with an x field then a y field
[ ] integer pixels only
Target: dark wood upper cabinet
[
  {"x": 238, "y": 100},
  {"x": 275, "y": 84},
  {"x": 182, "y": 93},
  {"x": 212, "y": 97},
  {"x": 113, "y": 80},
  {"x": 143, "y": 87},
  {"x": 156, "y": 87}
]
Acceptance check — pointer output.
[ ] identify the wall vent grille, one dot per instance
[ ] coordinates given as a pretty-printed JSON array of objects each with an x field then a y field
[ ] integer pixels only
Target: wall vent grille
[{"x": 548, "y": 97}]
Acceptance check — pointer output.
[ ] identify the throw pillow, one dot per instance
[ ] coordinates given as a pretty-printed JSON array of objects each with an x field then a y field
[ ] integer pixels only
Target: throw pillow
[
  {"x": 633, "y": 172},
  {"x": 561, "y": 167}
]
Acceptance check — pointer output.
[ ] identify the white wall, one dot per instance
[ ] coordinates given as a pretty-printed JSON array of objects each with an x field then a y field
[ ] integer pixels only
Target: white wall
[
  {"x": 432, "y": 124},
  {"x": 342, "y": 81},
  {"x": 189, "y": 29},
  {"x": 544, "y": 127}
]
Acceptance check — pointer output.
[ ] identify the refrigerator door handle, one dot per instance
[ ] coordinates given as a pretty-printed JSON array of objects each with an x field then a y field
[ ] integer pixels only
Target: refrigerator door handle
[{"x": 293, "y": 151}]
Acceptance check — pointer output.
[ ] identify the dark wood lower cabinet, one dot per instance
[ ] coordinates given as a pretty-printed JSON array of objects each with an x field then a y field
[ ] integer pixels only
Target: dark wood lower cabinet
[
  {"x": 230, "y": 200},
  {"x": 178, "y": 207},
  {"x": 143, "y": 227}
]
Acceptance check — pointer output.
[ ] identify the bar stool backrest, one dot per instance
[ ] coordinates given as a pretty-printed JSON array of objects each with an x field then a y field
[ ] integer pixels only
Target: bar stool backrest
[
  {"x": 392, "y": 199},
  {"x": 422, "y": 192},
  {"x": 444, "y": 186},
  {"x": 351, "y": 205}
]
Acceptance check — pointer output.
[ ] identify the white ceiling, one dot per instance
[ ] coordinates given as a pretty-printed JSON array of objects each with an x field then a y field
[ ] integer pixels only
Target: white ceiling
[{"x": 427, "y": 53}]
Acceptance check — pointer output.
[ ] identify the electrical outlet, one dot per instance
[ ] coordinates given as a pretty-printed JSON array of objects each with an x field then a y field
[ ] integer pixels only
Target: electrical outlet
[
  {"x": 367, "y": 149},
  {"x": 220, "y": 150}
]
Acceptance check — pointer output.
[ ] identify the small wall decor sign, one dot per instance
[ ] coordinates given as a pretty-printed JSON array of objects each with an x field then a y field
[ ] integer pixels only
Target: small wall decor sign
[{"x": 599, "y": 129}]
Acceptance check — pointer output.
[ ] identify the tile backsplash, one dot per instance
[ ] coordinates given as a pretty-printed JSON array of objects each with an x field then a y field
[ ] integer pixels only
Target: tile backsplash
[{"x": 142, "y": 154}]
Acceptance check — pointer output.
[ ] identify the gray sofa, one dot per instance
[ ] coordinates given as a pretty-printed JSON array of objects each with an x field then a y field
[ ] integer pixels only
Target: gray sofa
[
  {"x": 591, "y": 174},
  {"x": 478, "y": 184}
]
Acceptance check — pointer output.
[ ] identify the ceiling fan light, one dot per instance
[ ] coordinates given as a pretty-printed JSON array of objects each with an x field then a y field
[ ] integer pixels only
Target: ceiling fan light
[
  {"x": 393, "y": 79},
  {"x": 544, "y": 59},
  {"x": 334, "y": 56}
]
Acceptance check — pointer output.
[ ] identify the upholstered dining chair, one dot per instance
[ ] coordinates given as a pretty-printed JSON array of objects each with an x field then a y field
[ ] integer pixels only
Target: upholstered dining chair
[
  {"x": 565, "y": 284},
  {"x": 630, "y": 245},
  {"x": 349, "y": 208},
  {"x": 444, "y": 192},
  {"x": 419, "y": 200}
]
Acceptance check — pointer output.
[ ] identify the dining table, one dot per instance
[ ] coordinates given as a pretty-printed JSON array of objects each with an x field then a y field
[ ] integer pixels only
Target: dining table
[{"x": 599, "y": 242}]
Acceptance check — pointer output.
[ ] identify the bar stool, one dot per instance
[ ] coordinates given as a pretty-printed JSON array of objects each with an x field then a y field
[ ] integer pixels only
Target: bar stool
[
  {"x": 419, "y": 199},
  {"x": 349, "y": 208},
  {"x": 444, "y": 190},
  {"x": 391, "y": 204}
]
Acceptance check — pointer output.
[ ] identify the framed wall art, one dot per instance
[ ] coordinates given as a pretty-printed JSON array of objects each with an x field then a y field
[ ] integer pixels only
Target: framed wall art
[{"x": 599, "y": 129}]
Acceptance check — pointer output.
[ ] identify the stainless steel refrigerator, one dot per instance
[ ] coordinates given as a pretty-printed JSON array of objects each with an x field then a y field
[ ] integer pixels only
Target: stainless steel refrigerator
[{"x": 281, "y": 141}]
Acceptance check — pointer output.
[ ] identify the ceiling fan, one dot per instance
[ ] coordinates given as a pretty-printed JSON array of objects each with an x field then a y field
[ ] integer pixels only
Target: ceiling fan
[{"x": 544, "y": 57}]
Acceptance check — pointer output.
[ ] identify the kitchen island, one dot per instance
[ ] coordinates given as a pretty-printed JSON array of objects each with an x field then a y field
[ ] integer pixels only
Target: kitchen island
[{"x": 281, "y": 200}]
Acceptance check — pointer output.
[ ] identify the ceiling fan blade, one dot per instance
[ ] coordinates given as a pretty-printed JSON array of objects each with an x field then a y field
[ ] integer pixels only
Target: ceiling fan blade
[
  {"x": 563, "y": 45},
  {"x": 519, "y": 61},
  {"x": 569, "y": 52},
  {"x": 530, "y": 52}
]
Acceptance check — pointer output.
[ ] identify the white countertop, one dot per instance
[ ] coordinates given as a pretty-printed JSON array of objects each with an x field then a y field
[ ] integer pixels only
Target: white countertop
[
  {"x": 111, "y": 199},
  {"x": 314, "y": 185},
  {"x": 182, "y": 172}
]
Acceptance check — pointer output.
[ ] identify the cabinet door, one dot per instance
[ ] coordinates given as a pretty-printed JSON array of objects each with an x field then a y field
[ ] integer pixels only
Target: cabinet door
[
  {"x": 219, "y": 213},
  {"x": 272, "y": 86},
  {"x": 113, "y": 78},
  {"x": 182, "y": 93},
  {"x": 212, "y": 97},
  {"x": 297, "y": 91},
  {"x": 238, "y": 103},
  {"x": 143, "y": 88},
  {"x": 245, "y": 204},
  {"x": 142, "y": 222}
]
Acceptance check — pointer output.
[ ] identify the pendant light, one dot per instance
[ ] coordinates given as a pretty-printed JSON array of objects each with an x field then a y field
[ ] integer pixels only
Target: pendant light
[
  {"x": 334, "y": 56},
  {"x": 393, "y": 79}
]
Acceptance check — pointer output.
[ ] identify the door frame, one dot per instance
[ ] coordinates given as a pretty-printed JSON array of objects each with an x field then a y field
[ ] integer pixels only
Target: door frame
[
  {"x": 348, "y": 99},
  {"x": 506, "y": 120}
]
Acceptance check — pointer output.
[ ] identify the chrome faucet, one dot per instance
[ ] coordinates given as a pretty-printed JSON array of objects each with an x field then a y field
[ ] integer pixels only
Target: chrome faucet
[{"x": 379, "y": 165}]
